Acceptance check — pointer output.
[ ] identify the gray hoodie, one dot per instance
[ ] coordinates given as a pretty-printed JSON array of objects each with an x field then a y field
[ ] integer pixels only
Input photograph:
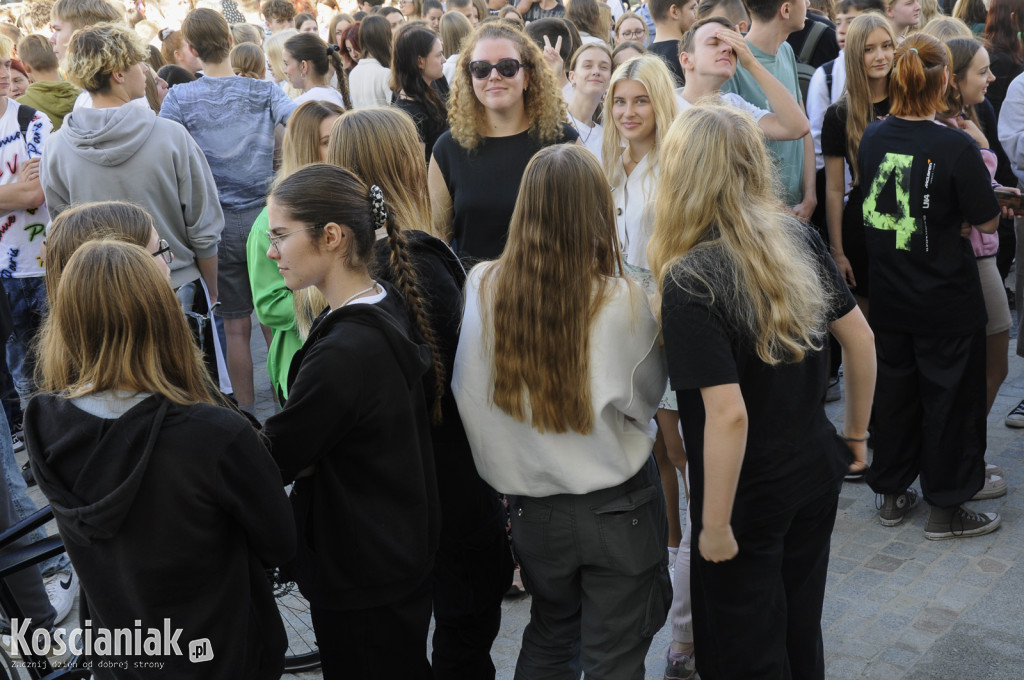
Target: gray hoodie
[{"x": 129, "y": 154}]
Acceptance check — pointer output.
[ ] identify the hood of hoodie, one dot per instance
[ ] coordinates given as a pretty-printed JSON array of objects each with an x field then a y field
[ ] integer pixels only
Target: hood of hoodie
[
  {"x": 52, "y": 96},
  {"x": 90, "y": 468},
  {"x": 412, "y": 355},
  {"x": 108, "y": 137}
]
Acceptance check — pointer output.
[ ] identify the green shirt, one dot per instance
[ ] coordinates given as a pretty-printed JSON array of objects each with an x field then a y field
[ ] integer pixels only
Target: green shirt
[
  {"x": 274, "y": 306},
  {"x": 788, "y": 156}
]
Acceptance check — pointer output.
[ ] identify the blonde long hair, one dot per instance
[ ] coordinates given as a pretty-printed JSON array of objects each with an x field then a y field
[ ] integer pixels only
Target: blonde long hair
[
  {"x": 545, "y": 290},
  {"x": 542, "y": 101},
  {"x": 377, "y": 144},
  {"x": 650, "y": 71},
  {"x": 721, "y": 231},
  {"x": 301, "y": 147},
  {"x": 856, "y": 99},
  {"x": 115, "y": 324}
]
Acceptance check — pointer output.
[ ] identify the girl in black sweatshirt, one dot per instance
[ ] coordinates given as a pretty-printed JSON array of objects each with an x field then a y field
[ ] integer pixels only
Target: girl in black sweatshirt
[{"x": 354, "y": 434}]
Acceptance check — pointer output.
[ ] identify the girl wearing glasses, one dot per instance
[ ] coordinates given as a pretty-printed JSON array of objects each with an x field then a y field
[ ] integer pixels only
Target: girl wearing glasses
[
  {"x": 630, "y": 28},
  {"x": 354, "y": 435},
  {"x": 187, "y": 529},
  {"x": 473, "y": 563},
  {"x": 505, "y": 105},
  {"x": 412, "y": 10},
  {"x": 558, "y": 373}
]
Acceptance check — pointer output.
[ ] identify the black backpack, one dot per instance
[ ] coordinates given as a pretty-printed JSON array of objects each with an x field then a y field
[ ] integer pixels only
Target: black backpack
[{"x": 804, "y": 70}]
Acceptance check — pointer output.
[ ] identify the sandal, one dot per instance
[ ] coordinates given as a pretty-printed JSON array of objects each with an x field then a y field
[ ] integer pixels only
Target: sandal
[{"x": 858, "y": 469}]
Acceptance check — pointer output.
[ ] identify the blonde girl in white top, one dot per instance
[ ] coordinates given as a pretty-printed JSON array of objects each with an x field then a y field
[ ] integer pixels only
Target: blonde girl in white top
[{"x": 638, "y": 110}]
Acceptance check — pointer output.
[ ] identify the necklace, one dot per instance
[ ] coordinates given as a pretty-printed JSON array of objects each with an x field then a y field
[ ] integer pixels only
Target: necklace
[
  {"x": 359, "y": 294},
  {"x": 576, "y": 124}
]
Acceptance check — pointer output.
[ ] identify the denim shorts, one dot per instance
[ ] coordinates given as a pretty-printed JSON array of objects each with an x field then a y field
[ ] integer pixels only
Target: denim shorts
[{"x": 234, "y": 291}]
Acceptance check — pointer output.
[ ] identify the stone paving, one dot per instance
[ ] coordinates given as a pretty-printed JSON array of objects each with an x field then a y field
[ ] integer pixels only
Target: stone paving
[{"x": 897, "y": 605}]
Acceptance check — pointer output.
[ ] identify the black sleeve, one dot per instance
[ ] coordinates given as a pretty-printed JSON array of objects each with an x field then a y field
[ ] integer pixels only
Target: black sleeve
[
  {"x": 697, "y": 345},
  {"x": 569, "y": 134},
  {"x": 833, "y": 132}
]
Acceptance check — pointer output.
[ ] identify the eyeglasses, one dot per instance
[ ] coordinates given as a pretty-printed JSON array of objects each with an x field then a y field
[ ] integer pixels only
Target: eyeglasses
[
  {"x": 275, "y": 241},
  {"x": 164, "y": 251},
  {"x": 632, "y": 35},
  {"x": 507, "y": 68}
]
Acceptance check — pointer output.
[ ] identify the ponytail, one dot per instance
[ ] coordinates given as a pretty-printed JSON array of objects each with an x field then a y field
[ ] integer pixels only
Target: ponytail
[
  {"x": 334, "y": 57},
  {"x": 408, "y": 282},
  {"x": 918, "y": 84}
]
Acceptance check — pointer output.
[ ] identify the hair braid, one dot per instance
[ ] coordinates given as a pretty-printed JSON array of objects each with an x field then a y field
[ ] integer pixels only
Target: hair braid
[
  {"x": 408, "y": 282},
  {"x": 334, "y": 57}
]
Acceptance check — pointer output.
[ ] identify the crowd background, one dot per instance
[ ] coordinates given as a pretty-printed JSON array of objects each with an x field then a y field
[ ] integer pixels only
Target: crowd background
[{"x": 201, "y": 112}]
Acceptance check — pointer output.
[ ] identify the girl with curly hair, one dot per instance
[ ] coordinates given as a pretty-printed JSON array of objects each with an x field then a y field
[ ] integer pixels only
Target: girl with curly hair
[{"x": 504, "y": 107}]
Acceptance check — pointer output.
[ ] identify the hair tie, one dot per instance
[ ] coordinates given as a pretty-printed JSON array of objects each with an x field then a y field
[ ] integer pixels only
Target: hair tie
[
  {"x": 380, "y": 213},
  {"x": 914, "y": 50},
  {"x": 332, "y": 48}
]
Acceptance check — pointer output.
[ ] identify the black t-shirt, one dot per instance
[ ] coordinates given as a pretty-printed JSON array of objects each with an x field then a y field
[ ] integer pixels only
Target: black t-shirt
[
  {"x": 920, "y": 182},
  {"x": 484, "y": 186},
  {"x": 428, "y": 128},
  {"x": 535, "y": 12},
  {"x": 834, "y": 141},
  {"x": 792, "y": 452},
  {"x": 827, "y": 48},
  {"x": 668, "y": 50}
]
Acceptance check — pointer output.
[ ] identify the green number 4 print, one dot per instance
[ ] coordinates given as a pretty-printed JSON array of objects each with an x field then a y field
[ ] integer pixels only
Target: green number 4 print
[{"x": 895, "y": 167}]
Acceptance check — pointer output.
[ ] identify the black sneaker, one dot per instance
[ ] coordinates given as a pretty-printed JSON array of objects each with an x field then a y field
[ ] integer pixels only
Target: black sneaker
[
  {"x": 896, "y": 506},
  {"x": 959, "y": 522},
  {"x": 1015, "y": 418}
]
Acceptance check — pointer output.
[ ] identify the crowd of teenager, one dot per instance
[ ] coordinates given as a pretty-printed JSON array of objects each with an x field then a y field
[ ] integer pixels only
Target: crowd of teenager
[{"x": 521, "y": 270}]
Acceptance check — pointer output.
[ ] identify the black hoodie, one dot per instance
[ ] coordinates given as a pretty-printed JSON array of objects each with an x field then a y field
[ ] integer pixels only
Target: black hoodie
[
  {"x": 367, "y": 516},
  {"x": 169, "y": 512}
]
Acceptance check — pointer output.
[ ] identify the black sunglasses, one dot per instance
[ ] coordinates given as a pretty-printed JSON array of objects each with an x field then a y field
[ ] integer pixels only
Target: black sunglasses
[{"x": 507, "y": 68}]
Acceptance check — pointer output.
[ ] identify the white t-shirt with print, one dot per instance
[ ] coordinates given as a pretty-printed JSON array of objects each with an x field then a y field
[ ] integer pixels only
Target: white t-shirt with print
[{"x": 21, "y": 231}]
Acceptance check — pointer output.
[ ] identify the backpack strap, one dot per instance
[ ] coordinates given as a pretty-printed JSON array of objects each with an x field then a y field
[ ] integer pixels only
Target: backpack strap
[
  {"x": 811, "y": 44},
  {"x": 828, "y": 66}
]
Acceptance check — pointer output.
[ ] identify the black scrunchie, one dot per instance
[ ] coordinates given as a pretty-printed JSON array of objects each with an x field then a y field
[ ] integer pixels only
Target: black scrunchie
[
  {"x": 332, "y": 48},
  {"x": 380, "y": 213}
]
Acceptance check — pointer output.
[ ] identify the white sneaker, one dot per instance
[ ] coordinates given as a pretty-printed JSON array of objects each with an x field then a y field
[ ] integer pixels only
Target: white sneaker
[
  {"x": 61, "y": 588},
  {"x": 995, "y": 486}
]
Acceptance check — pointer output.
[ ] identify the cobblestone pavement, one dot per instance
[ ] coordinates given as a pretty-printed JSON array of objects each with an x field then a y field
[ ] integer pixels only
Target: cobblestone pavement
[{"x": 897, "y": 605}]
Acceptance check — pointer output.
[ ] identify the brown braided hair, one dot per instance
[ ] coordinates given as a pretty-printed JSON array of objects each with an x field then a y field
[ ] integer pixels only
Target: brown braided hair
[{"x": 408, "y": 281}]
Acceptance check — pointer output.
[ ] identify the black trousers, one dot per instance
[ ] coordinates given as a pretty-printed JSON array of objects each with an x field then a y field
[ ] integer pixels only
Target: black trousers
[
  {"x": 383, "y": 642},
  {"x": 758, "y": 615},
  {"x": 929, "y": 416}
]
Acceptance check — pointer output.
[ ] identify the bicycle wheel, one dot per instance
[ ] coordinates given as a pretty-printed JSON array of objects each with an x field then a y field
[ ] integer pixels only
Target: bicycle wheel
[
  {"x": 7, "y": 669},
  {"x": 303, "y": 653}
]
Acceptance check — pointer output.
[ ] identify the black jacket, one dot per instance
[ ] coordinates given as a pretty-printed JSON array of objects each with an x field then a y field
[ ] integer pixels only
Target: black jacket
[
  {"x": 368, "y": 515},
  {"x": 169, "y": 512}
]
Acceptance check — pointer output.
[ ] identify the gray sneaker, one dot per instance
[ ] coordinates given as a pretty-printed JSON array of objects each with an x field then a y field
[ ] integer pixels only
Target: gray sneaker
[
  {"x": 896, "y": 506},
  {"x": 959, "y": 522},
  {"x": 995, "y": 487}
]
